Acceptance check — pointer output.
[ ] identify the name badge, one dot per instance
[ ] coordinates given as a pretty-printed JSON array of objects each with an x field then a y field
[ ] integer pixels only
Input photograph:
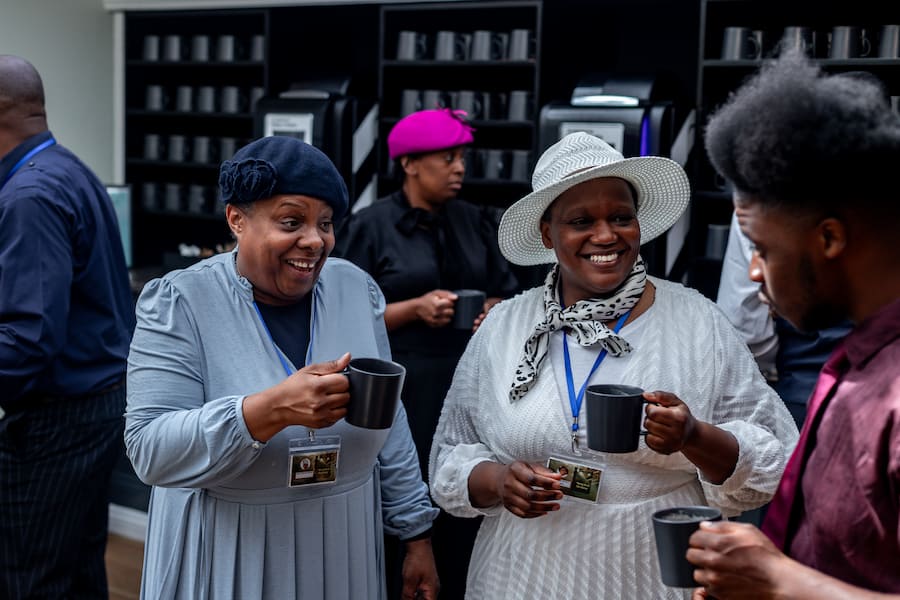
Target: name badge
[
  {"x": 313, "y": 461},
  {"x": 580, "y": 480}
]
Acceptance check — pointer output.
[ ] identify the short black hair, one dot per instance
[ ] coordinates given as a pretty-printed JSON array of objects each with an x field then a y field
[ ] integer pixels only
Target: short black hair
[{"x": 796, "y": 138}]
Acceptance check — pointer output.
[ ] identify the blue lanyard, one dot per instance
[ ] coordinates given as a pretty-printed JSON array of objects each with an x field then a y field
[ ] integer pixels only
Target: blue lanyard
[
  {"x": 284, "y": 362},
  {"x": 24, "y": 159},
  {"x": 575, "y": 400}
]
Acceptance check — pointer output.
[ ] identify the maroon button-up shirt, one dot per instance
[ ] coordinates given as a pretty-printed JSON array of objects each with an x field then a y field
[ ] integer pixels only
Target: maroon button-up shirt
[{"x": 848, "y": 523}]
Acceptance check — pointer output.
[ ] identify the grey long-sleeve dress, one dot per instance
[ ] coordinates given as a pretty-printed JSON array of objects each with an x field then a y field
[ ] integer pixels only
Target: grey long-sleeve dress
[{"x": 223, "y": 522}]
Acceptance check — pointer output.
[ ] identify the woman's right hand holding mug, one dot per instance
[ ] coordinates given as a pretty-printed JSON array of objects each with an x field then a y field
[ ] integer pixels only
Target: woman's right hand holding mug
[
  {"x": 526, "y": 490},
  {"x": 315, "y": 396},
  {"x": 436, "y": 307}
]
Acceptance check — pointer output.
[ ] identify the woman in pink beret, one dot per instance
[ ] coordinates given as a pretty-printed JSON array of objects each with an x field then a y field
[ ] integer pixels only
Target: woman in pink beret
[{"x": 421, "y": 243}]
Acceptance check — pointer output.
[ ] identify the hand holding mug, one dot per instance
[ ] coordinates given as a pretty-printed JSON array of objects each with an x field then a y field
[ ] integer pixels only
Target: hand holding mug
[
  {"x": 315, "y": 396},
  {"x": 669, "y": 422},
  {"x": 436, "y": 307},
  {"x": 738, "y": 557}
]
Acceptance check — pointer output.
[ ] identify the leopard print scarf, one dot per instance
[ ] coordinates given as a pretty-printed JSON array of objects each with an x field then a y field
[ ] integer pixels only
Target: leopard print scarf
[{"x": 585, "y": 319}]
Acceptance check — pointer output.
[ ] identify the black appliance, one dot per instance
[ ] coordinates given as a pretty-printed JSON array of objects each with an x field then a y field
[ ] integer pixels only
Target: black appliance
[{"x": 322, "y": 113}]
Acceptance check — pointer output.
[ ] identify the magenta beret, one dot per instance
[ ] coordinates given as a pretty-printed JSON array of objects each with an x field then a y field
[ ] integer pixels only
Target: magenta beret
[{"x": 429, "y": 131}]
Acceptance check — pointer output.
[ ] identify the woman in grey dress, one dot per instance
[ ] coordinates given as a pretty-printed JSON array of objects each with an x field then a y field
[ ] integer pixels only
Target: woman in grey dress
[{"x": 234, "y": 377}]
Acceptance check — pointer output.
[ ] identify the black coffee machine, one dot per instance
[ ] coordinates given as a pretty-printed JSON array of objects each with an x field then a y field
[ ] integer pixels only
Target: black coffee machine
[{"x": 321, "y": 113}]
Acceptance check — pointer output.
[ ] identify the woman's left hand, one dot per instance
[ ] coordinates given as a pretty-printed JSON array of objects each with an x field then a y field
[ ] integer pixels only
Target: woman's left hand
[
  {"x": 669, "y": 422},
  {"x": 488, "y": 305},
  {"x": 420, "y": 578}
]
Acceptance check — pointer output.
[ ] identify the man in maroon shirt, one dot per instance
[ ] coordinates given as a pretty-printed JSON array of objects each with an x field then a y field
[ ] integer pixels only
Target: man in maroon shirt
[{"x": 814, "y": 162}]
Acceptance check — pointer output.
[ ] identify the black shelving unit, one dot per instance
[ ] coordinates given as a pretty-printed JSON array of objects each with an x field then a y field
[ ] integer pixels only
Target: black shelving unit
[
  {"x": 495, "y": 78},
  {"x": 717, "y": 77},
  {"x": 175, "y": 192}
]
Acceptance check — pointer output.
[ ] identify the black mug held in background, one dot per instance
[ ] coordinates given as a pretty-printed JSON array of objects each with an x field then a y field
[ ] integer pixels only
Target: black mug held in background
[
  {"x": 469, "y": 304},
  {"x": 375, "y": 386},
  {"x": 614, "y": 417},
  {"x": 673, "y": 528}
]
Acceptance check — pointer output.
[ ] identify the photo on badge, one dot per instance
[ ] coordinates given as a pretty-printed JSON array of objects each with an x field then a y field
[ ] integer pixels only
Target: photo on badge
[
  {"x": 579, "y": 481},
  {"x": 302, "y": 469}
]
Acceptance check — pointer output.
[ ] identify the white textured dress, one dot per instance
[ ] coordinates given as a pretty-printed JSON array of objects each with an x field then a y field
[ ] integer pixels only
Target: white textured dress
[
  {"x": 223, "y": 522},
  {"x": 607, "y": 549}
]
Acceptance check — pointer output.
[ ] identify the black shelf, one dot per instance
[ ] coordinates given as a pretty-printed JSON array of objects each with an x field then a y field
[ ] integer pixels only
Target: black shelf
[
  {"x": 717, "y": 78},
  {"x": 184, "y": 214},
  {"x": 194, "y": 64},
  {"x": 457, "y": 64},
  {"x": 181, "y": 114},
  {"x": 171, "y": 164},
  {"x": 489, "y": 80},
  {"x": 202, "y": 227},
  {"x": 479, "y": 123}
]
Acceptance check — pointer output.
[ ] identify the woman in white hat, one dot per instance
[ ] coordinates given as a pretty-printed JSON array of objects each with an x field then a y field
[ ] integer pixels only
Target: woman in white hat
[{"x": 717, "y": 434}]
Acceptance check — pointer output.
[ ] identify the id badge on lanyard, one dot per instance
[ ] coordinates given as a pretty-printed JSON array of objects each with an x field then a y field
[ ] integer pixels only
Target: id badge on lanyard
[
  {"x": 313, "y": 461},
  {"x": 581, "y": 474}
]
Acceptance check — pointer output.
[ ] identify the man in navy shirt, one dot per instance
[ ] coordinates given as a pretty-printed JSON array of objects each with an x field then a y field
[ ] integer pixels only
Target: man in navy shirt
[{"x": 66, "y": 318}]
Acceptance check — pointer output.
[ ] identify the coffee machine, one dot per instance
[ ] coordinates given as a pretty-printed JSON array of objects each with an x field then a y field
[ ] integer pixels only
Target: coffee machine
[{"x": 344, "y": 127}]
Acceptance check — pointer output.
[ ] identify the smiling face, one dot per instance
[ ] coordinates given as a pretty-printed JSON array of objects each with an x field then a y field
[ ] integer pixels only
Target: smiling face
[
  {"x": 593, "y": 230},
  {"x": 283, "y": 242},
  {"x": 435, "y": 177},
  {"x": 792, "y": 259}
]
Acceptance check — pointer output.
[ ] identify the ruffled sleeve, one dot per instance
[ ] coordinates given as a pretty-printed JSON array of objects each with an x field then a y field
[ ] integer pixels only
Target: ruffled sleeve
[
  {"x": 457, "y": 448},
  {"x": 749, "y": 409}
]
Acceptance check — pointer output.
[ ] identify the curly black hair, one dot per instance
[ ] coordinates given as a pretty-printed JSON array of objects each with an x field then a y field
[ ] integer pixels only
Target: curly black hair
[{"x": 797, "y": 138}]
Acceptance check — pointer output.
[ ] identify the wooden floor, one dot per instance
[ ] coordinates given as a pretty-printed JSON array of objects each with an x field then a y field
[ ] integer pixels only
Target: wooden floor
[{"x": 123, "y": 567}]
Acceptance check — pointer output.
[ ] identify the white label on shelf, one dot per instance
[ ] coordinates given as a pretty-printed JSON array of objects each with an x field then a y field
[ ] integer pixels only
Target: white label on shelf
[
  {"x": 611, "y": 133},
  {"x": 297, "y": 125}
]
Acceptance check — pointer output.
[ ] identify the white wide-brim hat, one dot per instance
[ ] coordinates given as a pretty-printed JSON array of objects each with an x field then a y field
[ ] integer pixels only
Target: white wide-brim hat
[{"x": 663, "y": 192}]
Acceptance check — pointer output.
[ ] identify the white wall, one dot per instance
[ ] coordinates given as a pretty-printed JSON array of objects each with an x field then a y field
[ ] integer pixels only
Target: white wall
[{"x": 70, "y": 42}]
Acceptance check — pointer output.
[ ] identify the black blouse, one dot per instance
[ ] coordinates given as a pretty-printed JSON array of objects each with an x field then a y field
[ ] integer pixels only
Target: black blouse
[{"x": 410, "y": 251}]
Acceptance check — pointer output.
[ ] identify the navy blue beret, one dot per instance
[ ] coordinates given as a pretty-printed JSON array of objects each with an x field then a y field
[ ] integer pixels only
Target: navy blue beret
[{"x": 276, "y": 165}]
